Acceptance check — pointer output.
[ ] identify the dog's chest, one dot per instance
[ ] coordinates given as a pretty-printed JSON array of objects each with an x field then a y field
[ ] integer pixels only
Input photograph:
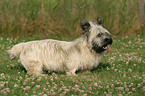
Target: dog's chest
[{"x": 88, "y": 60}]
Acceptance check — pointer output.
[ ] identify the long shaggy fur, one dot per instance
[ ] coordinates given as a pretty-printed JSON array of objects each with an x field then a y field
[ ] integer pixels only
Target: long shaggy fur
[{"x": 59, "y": 56}]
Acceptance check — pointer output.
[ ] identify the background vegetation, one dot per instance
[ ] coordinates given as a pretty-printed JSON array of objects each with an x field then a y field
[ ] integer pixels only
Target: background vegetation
[{"x": 60, "y": 18}]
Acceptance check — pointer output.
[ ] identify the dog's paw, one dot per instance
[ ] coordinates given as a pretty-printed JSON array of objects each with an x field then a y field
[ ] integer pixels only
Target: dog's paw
[{"x": 71, "y": 74}]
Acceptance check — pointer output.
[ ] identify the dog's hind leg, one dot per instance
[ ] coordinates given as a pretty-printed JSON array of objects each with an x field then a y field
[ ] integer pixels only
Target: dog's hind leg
[{"x": 33, "y": 67}]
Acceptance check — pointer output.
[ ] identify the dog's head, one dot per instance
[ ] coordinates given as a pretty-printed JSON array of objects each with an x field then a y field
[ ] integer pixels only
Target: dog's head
[{"x": 97, "y": 36}]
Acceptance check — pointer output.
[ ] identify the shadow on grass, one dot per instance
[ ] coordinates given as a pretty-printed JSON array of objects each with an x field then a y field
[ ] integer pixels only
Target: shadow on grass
[
  {"x": 101, "y": 67},
  {"x": 19, "y": 66}
]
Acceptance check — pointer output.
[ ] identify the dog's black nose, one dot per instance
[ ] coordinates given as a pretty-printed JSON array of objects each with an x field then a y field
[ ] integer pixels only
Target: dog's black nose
[{"x": 108, "y": 40}]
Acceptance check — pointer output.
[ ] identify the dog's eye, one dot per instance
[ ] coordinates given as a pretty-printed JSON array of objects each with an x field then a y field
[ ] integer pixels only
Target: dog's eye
[{"x": 99, "y": 35}]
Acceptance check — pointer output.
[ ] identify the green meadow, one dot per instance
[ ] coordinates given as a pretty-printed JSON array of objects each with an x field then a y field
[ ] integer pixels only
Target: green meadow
[{"x": 121, "y": 73}]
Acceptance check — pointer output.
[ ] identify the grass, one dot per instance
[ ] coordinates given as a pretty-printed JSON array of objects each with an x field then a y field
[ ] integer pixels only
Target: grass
[
  {"x": 121, "y": 73},
  {"x": 57, "y": 18}
]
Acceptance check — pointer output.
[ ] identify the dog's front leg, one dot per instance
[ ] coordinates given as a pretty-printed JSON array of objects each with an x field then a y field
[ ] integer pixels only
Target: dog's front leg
[
  {"x": 71, "y": 72},
  {"x": 69, "y": 69}
]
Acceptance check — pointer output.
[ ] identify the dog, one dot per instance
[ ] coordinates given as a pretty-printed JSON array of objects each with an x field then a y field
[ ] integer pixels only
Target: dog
[{"x": 81, "y": 54}]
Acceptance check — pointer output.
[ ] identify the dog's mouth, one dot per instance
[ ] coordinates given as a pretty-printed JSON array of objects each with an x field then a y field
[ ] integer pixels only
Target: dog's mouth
[
  {"x": 99, "y": 49},
  {"x": 108, "y": 42}
]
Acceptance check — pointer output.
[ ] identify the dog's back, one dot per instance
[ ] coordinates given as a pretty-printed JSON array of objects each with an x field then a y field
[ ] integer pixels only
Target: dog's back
[{"x": 16, "y": 50}]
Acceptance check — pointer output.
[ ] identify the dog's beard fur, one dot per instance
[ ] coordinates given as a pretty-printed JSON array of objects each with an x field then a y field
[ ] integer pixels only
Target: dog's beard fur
[{"x": 82, "y": 54}]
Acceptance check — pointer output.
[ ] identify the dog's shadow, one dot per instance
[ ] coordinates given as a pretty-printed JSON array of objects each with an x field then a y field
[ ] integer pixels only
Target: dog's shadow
[
  {"x": 19, "y": 66},
  {"x": 101, "y": 67}
]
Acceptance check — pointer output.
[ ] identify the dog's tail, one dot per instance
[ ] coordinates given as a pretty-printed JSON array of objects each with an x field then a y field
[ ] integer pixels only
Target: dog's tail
[{"x": 15, "y": 51}]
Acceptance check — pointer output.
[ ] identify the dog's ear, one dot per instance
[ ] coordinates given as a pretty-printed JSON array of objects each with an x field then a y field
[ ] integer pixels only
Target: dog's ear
[
  {"x": 99, "y": 21},
  {"x": 85, "y": 25}
]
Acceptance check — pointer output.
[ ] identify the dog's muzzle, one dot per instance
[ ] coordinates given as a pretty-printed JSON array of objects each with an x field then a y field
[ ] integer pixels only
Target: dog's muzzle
[{"x": 99, "y": 49}]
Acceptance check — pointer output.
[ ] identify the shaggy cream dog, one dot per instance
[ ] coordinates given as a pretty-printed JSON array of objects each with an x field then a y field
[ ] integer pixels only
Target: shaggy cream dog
[{"x": 83, "y": 53}]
